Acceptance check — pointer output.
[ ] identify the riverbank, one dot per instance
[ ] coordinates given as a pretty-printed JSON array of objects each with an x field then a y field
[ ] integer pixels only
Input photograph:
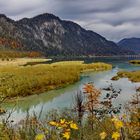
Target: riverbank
[
  {"x": 133, "y": 76},
  {"x": 23, "y": 81}
]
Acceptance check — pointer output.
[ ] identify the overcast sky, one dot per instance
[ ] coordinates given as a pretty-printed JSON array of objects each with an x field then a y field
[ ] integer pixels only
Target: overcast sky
[{"x": 114, "y": 19}]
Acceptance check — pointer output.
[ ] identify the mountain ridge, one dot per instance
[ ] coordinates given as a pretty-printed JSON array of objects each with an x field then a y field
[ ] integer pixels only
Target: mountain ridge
[
  {"x": 132, "y": 44},
  {"x": 52, "y": 36}
]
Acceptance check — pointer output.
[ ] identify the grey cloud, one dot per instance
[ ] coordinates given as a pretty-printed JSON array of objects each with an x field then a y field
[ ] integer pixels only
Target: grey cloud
[
  {"x": 85, "y": 7},
  {"x": 18, "y": 7},
  {"x": 114, "y": 19}
]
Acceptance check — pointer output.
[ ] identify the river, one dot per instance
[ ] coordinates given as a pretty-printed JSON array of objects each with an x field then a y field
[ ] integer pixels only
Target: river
[{"x": 64, "y": 97}]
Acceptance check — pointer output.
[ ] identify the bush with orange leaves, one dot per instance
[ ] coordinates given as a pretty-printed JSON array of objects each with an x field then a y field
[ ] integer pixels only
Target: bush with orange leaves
[
  {"x": 92, "y": 100},
  {"x": 93, "y": 95}
]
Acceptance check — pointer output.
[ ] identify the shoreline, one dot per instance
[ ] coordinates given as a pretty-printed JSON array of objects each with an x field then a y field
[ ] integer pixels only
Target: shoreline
[
  {"x": 79, "y": 57},
  {"x": 21, "y": 98}
]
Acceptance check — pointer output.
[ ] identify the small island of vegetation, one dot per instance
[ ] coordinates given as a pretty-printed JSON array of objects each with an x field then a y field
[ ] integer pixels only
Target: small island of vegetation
[
  {"x": 136, "y": 62},
  {"x": 133, "y": 76}
]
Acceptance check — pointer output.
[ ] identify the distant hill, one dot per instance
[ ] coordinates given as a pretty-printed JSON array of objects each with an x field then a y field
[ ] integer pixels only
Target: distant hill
[
  {"x": 132, "y": 44},
  {"x": 52, "y": 36}
]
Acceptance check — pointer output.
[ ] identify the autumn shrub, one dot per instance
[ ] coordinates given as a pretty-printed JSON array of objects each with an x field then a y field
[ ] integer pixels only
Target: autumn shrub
[{"x": 4, "y": 54}]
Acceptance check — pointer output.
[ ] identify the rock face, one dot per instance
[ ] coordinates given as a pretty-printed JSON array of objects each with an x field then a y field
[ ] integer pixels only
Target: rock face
[
  {"x": 52, "y": 36},
  {"x": 132, "y": 44}
]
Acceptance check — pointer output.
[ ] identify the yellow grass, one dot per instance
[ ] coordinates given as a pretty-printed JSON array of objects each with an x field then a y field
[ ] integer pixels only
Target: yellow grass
[
  {"x": 21, "y": 61},
  {"x": 22, "y": 81},
  {"x": 68, "y": 63}
]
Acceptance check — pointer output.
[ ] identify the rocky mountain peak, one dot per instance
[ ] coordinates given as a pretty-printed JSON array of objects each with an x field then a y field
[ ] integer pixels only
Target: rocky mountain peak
[{"x": 52, "y": 36}]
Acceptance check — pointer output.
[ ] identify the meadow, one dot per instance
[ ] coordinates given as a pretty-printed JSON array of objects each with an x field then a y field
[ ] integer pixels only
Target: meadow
[{"x": 22, "y": 81}]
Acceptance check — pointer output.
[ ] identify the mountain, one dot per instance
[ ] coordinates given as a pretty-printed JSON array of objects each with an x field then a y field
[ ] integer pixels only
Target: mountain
[
  {"x": 52, "y": 36},
  {"x": 132, "y": 44}
]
